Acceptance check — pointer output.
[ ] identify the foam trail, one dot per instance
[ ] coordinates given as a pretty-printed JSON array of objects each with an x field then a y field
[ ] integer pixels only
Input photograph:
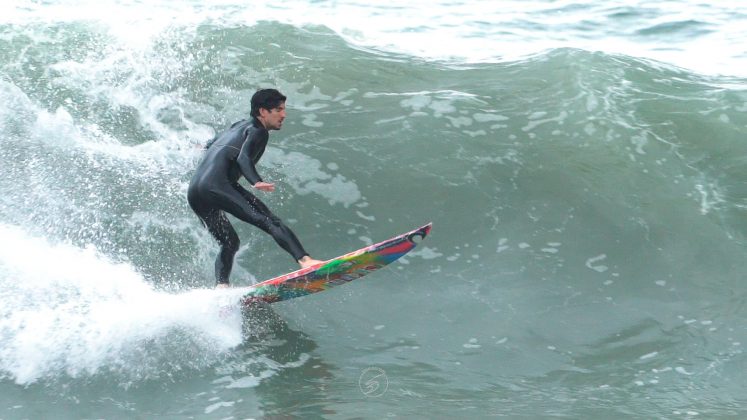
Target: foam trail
[{"x": 67, "y": 310}]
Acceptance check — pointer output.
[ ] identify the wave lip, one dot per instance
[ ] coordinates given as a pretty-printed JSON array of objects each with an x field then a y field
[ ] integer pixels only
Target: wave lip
[{"x": 708, "y": 38}]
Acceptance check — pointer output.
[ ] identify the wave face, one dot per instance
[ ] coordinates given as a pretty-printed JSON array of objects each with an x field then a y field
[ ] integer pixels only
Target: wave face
[{"x": 587, "y": 198}]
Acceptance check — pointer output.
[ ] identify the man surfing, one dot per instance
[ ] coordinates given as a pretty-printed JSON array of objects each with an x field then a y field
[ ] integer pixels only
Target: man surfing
[{"x": 214, "y": 189}]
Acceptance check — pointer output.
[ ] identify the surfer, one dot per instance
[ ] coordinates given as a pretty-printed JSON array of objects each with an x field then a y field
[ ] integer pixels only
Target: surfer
[{"x": 214, "y": 189}]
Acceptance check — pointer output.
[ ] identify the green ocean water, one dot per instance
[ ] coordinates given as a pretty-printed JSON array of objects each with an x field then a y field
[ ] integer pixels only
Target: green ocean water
[{"x": 586, "y": 259}]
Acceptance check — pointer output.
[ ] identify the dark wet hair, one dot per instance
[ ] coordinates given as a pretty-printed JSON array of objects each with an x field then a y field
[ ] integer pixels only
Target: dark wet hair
[{"x": 267, "y": 99}]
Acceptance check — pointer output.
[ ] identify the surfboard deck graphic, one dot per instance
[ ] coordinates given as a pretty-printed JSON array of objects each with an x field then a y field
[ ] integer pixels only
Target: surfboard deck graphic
[{"x": 336, "y": 271}]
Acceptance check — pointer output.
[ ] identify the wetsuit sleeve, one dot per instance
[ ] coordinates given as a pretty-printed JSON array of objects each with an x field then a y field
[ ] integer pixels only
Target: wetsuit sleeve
[{"x": 251, "y": 151}]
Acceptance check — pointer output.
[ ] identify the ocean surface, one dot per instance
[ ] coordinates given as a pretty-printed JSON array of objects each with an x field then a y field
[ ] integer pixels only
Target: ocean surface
[{"x": 584, "y": 165}]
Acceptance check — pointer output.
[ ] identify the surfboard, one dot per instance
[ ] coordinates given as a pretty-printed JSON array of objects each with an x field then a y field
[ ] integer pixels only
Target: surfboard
[{"x": 336, "y": 271}]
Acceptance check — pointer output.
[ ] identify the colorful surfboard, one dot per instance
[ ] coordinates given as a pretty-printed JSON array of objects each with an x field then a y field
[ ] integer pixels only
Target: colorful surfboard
[{"x": 336, "y": 271}]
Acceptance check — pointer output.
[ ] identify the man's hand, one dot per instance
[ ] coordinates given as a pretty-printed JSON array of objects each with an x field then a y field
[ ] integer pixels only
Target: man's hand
[{"x": 265, "y": 186}]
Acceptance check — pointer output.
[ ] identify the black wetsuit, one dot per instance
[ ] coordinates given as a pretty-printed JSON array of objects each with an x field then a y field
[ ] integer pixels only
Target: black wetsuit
[{"x": 215, "y": 189}]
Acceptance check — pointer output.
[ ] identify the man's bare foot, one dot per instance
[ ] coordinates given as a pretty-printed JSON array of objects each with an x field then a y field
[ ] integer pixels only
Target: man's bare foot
[
  {"x": 308, "y": 262},
  {"x": 222, "y": 286}
]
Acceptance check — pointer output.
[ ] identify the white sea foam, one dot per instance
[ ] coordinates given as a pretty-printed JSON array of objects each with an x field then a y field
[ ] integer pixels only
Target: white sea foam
[
  {"x": 78, "y": 313},
  {"x": 307, "y": 175}
]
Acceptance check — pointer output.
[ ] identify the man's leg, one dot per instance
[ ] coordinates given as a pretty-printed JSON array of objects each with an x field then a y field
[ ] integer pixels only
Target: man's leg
[
  {"x": 254, "y": 211},
  {"x": 221, "y": 229}
]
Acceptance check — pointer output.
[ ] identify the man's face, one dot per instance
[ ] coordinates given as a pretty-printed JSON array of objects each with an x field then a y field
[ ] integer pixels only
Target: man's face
[{"x": 272, "y": 119}]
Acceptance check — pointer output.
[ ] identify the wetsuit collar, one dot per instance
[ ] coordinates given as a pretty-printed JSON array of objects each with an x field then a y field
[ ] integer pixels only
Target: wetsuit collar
[{"x": 257, "y": 123}]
